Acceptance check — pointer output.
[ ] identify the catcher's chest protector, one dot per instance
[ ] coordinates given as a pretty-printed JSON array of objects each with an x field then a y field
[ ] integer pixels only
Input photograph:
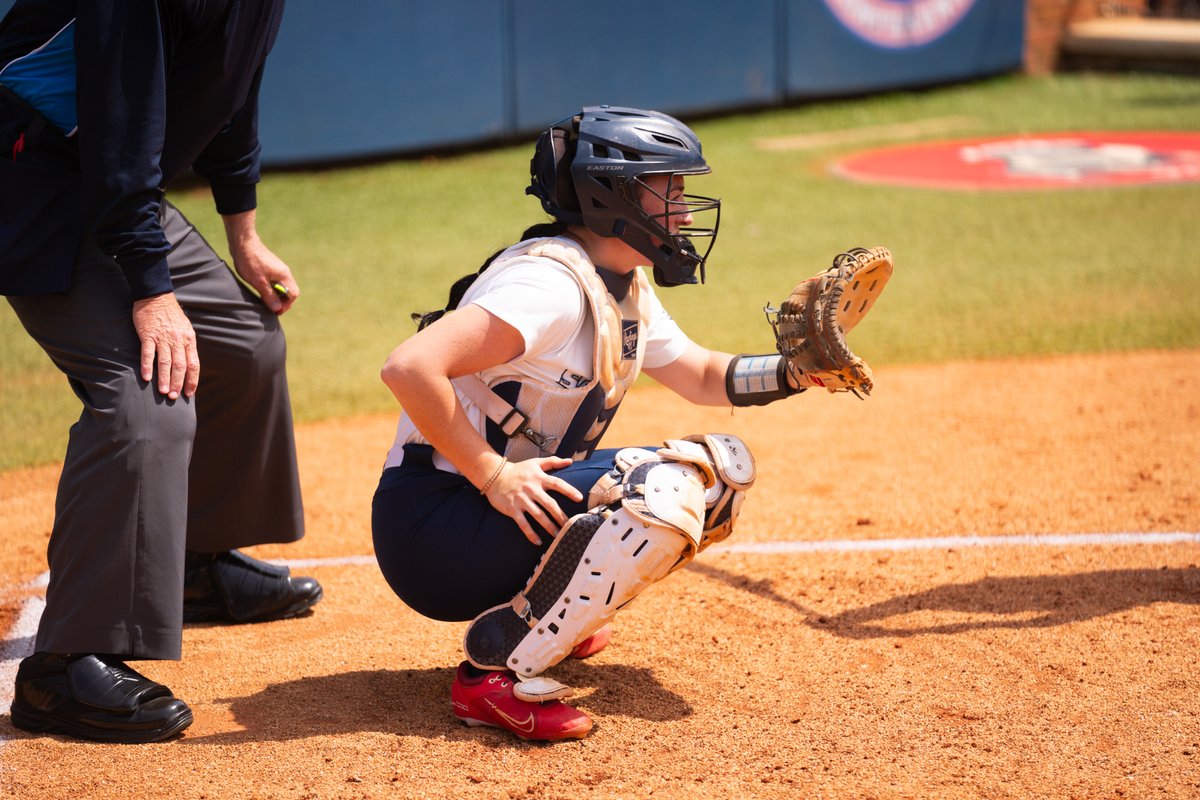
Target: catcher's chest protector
[{"x": 573, "y": 419}]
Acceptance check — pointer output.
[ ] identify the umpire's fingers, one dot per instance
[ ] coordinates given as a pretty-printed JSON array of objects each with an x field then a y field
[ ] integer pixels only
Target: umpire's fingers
[{"x": 168, "y": 344}]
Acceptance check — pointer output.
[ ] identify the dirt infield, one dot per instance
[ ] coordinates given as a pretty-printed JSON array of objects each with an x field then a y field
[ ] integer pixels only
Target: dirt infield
[{"x": 865, "y": 657}]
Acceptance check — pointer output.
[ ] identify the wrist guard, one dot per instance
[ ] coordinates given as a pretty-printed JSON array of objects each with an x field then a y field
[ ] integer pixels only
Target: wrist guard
[{"x": 757, "y": 380}]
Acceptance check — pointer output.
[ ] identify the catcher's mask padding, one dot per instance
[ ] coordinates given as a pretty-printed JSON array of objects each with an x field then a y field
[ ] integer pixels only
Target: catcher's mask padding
[{"x": 598, "y": 563}]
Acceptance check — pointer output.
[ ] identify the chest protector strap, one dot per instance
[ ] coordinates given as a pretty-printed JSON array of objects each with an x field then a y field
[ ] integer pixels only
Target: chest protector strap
[{"x": 615, "y": 364}]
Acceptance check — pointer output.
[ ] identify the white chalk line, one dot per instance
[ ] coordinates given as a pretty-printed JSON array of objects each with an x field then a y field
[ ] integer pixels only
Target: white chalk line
[
  {"x": 17, "y": 644},
  {"x": 18, "y": 641},
  {"x": 953, "y": 542}
]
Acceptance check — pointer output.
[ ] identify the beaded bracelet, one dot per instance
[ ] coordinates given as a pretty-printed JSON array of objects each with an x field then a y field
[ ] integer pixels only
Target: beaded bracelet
[{"x": 496, "y": 474}]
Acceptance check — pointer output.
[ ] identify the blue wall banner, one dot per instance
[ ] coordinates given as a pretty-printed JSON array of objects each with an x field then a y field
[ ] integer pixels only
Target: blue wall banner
[
  {"x": 840, "y": 47},
  {"x": 898, "y": 24}
]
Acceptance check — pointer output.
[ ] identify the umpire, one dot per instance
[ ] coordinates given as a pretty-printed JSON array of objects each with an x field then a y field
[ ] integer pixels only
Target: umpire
[{"x": 102, "y": 105}]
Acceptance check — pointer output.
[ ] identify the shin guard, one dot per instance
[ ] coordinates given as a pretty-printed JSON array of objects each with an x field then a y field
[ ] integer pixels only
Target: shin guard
[{"x": 598, "y": 562}]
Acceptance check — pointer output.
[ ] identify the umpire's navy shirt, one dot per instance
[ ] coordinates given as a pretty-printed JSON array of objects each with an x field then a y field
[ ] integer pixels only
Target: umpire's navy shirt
[{"x": 141, "y": 91}]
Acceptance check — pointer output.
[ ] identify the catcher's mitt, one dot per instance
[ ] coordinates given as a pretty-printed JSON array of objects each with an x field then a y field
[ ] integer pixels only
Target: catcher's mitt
[{"x": 811, "y": 325}]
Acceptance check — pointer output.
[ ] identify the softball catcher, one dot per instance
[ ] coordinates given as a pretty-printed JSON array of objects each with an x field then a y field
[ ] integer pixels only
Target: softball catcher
[{"x": 495, "y": 505}]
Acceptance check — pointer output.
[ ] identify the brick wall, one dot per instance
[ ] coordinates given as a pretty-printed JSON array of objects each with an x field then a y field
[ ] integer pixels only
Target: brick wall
[{"x": 1047, "y": 19}]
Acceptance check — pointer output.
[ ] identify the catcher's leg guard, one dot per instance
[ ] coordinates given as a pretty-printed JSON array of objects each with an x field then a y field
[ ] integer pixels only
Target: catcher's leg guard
[{"x": 598, "y": 562}]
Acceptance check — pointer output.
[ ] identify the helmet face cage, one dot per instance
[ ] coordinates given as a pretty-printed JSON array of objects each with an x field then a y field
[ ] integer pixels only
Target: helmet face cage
[
  {"x": 611, "y": 150},
  {"x": 674, "y": 256}
]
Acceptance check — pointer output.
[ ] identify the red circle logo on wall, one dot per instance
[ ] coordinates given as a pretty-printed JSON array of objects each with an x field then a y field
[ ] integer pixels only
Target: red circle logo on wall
[
  {"x": 897, "y": 24},
  {"x": 1042, "y": 161}
]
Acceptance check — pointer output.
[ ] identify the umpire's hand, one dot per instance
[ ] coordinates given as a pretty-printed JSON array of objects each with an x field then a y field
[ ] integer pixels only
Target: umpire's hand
[{"x": 168, "y": 342}]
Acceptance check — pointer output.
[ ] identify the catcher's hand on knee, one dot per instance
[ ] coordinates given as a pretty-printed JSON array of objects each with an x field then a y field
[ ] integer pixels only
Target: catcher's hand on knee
[{"x": 521, "y": 490}]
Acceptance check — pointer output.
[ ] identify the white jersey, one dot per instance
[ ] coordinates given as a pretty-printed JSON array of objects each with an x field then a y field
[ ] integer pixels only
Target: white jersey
[{"x": 548, "y": 290}]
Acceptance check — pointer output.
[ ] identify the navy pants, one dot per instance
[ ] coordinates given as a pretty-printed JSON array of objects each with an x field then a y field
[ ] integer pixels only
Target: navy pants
[{"x": 442, "y": 547}]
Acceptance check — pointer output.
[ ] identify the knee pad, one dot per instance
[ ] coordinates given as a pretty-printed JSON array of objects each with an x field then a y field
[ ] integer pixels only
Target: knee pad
[
  {"x": 728, "y": 467},
  {"x": 597, "y": 564}
]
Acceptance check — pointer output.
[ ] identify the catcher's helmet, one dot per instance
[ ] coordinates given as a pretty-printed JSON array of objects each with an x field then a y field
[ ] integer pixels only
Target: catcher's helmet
[{"x": 588, "y": 170}]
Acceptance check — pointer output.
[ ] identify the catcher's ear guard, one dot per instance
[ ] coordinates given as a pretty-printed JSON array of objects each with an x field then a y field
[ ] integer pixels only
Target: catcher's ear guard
[{"x": 550, "y": 172}]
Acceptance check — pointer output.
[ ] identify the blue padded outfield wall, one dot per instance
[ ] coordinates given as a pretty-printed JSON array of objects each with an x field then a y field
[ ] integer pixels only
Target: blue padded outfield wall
[
  {"x": 377, "y": 77},
  {"x": 369, "y": 78}
]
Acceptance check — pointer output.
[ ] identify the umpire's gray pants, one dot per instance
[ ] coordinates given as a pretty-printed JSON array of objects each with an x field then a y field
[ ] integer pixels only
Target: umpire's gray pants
[{"x": 144, "y": 477}]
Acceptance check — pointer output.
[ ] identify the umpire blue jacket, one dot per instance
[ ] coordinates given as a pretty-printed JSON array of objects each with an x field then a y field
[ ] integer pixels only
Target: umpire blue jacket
[{"x": 102, "y": 105}]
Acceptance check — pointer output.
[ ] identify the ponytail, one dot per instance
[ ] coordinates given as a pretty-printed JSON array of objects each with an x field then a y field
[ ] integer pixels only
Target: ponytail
[{"x": 538, "y": 231}]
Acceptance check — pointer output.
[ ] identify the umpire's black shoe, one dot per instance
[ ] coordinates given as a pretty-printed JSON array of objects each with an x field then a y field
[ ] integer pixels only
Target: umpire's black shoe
[
  {"x": 232, "y": 587},
  {"x": 94, "y": 697}
]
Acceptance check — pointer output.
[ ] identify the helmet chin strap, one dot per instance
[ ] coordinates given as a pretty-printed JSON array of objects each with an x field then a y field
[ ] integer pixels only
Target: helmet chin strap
[
  {"x": 674, "y": 262},
  {"x": 682, "y": 276}
]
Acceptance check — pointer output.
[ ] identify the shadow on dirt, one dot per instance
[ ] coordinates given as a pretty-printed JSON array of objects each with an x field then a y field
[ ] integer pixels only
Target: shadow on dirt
[
  {"x": 764, "y": 587},
  {"x": 1040, "y": 601},
  {"x": 417, "y": 703}
]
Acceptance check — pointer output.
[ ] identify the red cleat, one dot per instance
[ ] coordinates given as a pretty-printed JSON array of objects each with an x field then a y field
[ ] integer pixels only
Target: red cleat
[
  {"x": 489, "y": 700},
  {"x": 594, "y": 643}
]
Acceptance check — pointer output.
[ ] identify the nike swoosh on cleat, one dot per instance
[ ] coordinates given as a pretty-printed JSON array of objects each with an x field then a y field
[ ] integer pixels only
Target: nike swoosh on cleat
[{"x": 523, "y": 727}]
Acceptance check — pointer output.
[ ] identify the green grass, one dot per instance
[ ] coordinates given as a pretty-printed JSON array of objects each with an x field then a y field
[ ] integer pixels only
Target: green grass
[{"x": 980, "y": 275}]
